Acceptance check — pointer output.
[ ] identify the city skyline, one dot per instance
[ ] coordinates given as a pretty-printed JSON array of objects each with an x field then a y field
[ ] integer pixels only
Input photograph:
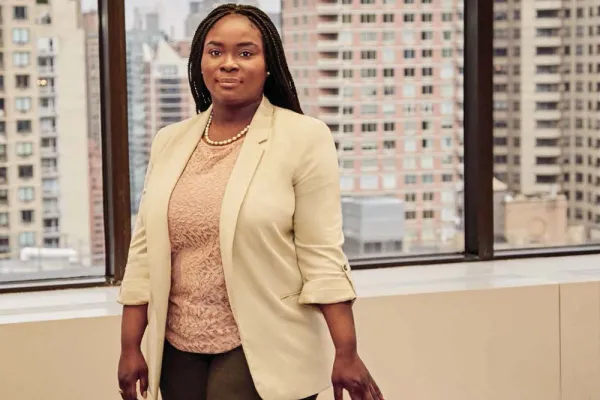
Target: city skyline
[{"x": 171, "y": 15}]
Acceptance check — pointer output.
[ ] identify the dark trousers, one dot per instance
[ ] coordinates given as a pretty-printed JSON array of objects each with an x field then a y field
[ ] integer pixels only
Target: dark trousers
[{"x": 190, "y": 376}]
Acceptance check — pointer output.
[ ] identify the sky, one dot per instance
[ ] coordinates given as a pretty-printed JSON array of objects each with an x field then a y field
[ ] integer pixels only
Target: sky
[{"x": 174, "y": 11}]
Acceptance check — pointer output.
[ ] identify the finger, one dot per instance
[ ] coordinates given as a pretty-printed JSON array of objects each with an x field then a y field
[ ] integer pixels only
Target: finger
[
  {"x": 122, "y": 386},
  {"x": 374, "y": 393},
  {"x": 367, "y": 395},
  {"x": 357, "y": 394},
  {"x": 130, "y": 390},
  {"x": 338, "y": 392},
  {"x": 144, "y": 384},
  {"x": 376, "y": 389}
]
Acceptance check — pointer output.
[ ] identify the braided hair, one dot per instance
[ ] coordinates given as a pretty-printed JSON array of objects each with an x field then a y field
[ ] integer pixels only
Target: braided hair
[{"x": 279, "y": 87}]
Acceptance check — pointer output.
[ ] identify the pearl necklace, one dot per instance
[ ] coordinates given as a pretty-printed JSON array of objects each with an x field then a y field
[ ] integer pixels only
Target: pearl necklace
[{"x": 222, "y": 142}]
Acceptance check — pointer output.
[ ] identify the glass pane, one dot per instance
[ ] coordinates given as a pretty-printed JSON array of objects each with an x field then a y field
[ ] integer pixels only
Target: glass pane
[
  {"x": 386, "y": 77},
  {"x": 546, "y": 124},
  {"x": 51, "y": 206}
]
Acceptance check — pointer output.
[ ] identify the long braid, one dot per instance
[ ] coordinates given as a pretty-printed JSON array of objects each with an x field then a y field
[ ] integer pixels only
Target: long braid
[{"x": 279, "y": 86}]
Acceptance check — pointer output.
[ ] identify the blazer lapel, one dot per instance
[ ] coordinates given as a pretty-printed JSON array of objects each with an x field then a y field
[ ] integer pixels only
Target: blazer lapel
[{"x": 240, "y": 178}]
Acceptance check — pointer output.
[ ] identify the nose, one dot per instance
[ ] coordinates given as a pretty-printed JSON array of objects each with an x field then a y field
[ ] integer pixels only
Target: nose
[{"x": 229, "y": 65}]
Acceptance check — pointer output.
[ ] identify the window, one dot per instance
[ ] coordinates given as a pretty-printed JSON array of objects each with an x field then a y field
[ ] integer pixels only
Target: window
[
  {"x": 4, "y": 221},
  {"x": 26, "y": 194},
  {"x": 23, "y": 104},
  {"x": 20, "y": 12},
  {"x": 25, "y": 171},
  {"x": 551, "y": 158},
  {"x": 368, "y": 73},
  {"x": 368, "y": 36},
  {"x": 389, "y": 55},
  {"x": 27, "y": 239},
  {"x": 388, "y": 109},
  {"x": 50, "y": 112},
  {"x": 21, "y": 58},
  {"x": 369, "y": 165},
  {"x": 20, "y": 36},
  {"x": 409, "y": 91},
  {"x": 368, "y": 55},
  {"x": 369, "y": 127},
  {"x": 369, "y": 91},
  {"x": 27, "y": 216},
  {"x": 368, "y": 109},
  {"x": 22, "y": 81},
  {"x": 368, "y": 18},
  {"x": 389, "y": 181},
  {"x": 389, "y": 37},
  {"x": 23, "y": 126},
  {"x": 550, "y": 169},
  {"x": 24, "y": 149}
]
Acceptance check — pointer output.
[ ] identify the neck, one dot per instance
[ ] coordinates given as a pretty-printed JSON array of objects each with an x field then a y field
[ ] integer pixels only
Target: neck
[{"x": 224, "y": 114}]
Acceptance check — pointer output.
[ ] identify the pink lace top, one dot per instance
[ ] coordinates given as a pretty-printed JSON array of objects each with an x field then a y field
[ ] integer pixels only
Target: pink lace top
[{"x": 200, "y": 319}]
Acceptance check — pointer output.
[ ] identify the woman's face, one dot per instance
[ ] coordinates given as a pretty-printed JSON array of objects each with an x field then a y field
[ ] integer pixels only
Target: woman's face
[{"x": 233, "y": 62}]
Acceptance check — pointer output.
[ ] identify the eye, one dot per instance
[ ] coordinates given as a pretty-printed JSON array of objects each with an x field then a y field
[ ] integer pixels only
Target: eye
[
  {"x": 245, "y": 54},
  {"x": 214, "y": 53}
]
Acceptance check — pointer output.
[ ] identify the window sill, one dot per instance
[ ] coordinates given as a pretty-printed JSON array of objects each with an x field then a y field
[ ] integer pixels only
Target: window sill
[{"x": 101, "y": 301}]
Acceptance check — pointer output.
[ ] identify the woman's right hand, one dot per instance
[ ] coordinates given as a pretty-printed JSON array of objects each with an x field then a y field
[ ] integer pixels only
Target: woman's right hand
[{"x": 132, "y": 367}]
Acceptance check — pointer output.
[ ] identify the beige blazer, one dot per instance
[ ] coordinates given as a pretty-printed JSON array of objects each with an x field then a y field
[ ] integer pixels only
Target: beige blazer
[{"x": 281, "y": 245}]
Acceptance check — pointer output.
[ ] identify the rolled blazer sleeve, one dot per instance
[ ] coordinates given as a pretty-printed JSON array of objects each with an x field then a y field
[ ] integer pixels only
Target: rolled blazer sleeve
[
  {"x": 318, "y": 232},
  {"x": 135, "y": 287}
]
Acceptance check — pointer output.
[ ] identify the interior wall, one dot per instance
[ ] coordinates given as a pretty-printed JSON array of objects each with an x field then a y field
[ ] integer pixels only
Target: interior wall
[{"x": 487, "y": 344}]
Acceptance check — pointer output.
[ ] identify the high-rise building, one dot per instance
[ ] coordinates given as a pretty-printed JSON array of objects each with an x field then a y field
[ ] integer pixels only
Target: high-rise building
[
  {"x": 43, "y": 128},
  {"x": 546, "y": 84},
  {"x": 167, "y": 95},
  {"x": 145, "y": 32},
  {"x": 200, "y": 9},
  {"x": 92, "y": 51},
  {"x": 386, "y": 77}
]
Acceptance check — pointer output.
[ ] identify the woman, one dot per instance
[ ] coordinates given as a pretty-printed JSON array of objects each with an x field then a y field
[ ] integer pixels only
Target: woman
[{"x": 235, "y": 264}]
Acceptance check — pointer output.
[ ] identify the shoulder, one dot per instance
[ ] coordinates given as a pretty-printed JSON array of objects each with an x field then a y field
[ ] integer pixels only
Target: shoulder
[
  {"x": 170, "y": 132},
  {"x": 302, "y": 130}
]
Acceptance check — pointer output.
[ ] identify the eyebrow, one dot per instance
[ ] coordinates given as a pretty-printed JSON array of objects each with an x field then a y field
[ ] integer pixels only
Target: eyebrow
[{"x": 242, "y": 44}]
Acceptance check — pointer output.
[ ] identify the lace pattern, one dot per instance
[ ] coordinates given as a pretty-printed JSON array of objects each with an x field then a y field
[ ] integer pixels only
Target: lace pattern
[{"x": 199, "y": 318}]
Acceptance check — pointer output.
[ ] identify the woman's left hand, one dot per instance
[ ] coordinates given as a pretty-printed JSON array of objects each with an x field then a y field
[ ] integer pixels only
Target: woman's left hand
[{"x": 351, "y": 374}]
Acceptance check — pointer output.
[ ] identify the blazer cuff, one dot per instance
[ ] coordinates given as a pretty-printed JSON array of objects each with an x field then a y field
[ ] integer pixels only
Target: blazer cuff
[
  {"x": 327, "y": 291},
  {"x": 134, "y": 294}
]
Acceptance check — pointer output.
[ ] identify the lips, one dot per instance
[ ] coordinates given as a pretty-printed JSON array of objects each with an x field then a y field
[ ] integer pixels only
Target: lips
[
  {"x": 228, "y": 83},
  {"x": 228, "y": 80}
]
